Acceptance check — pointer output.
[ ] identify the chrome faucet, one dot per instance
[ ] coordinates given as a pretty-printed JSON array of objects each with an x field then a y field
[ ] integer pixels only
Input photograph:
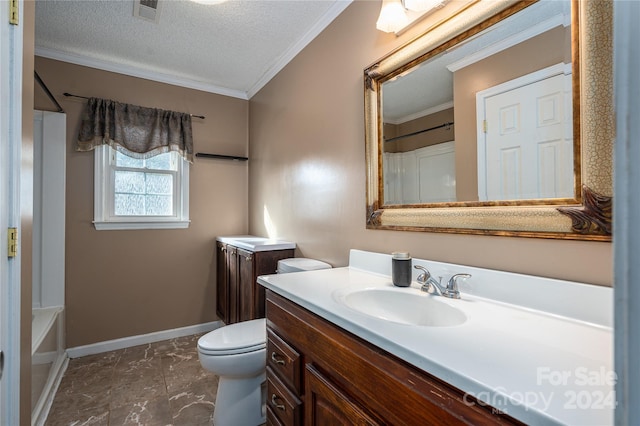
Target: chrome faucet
[{"x": 428, "y": 282}]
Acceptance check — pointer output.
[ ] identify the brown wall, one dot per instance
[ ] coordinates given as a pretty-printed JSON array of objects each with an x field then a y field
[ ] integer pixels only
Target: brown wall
[
  {"x": 26, "y": 211},
  {"x": 125, "y": 283},
  {"x": 308, "y": 169}
]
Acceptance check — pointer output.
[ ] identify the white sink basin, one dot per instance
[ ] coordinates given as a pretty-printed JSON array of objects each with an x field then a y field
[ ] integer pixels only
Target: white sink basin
[{"x": 404, "y": 306}]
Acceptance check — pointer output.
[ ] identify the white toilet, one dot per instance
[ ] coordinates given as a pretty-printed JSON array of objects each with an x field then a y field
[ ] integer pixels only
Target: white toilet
[{"x": 237, "y": 354}]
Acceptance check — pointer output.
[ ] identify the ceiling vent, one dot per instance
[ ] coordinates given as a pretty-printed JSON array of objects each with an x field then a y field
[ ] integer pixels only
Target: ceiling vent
[{"x": 149, "y": 10}]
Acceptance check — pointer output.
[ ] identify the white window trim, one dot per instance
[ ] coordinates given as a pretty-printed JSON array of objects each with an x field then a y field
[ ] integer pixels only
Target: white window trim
[{"x": 102, "y": 205}]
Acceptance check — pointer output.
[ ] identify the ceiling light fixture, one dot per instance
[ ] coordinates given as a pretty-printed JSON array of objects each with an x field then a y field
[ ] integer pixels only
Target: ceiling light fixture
[{"x": 394, "y": 17}]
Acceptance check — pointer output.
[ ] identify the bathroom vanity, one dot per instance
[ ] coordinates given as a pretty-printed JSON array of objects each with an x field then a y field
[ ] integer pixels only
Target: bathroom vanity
[
  {"x": 329, "y": 376},
  {"x": 347, "y": 347},
  {"x": 239, "y": 261}
]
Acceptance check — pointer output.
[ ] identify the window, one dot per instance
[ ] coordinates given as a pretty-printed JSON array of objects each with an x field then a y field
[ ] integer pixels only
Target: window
[{"x": 132, "y": 193}]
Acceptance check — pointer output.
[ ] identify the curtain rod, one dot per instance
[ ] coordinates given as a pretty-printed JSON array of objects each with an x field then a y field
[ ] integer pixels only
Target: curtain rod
[
  {"x": 47, "y": 91},
  {"x": 84, "y": 97},
  {"x": 447, "y": 125},
  {"x": 222, "y": 157}
]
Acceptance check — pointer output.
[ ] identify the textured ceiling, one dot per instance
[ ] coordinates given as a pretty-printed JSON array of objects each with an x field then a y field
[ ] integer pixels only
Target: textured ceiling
[{"x": 232, "y": 48}]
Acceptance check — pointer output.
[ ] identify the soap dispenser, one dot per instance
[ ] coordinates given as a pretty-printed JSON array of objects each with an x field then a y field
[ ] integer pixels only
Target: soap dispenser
[{"x": 401, "y": 269}]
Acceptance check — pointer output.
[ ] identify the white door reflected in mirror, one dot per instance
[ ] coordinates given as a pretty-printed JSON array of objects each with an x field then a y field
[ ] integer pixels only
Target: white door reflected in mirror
[{"x": 525, "y": 137}]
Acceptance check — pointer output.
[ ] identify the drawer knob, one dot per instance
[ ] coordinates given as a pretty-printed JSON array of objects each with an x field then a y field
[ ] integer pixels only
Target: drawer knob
[
  {"x": 276, "y": 358},
  {"x": 274, "y": 402}
]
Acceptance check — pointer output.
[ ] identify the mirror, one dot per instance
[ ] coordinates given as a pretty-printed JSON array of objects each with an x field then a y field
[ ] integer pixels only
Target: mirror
[
  {"x": 480, "y": 124},
  {"x": 487, "y": 119}
]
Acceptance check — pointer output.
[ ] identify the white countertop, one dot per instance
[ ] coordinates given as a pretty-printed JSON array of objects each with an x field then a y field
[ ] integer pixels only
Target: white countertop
[
  {"x": 541, "y": 367},
  {"x": 253, "y": 243}
]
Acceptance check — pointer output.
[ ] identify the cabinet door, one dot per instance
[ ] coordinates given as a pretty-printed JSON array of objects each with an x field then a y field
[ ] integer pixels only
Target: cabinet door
[
  {"x": 222, "y": 284},
  {"x": 246, "y": 282},
  {"x": 325, "y": 404},
  {"x": 232, "y": 262}
]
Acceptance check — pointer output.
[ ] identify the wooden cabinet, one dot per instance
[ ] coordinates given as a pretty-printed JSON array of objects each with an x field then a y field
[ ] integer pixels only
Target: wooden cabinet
[
  {"x": 320, "y": 374},
  {"x": 239, "y": 297},
  {"x": 247, "y": 291},
  {"x": 222, "y": 287},
  {"x": 232, "y": 285},
  {"x": 328, "y": 405}
]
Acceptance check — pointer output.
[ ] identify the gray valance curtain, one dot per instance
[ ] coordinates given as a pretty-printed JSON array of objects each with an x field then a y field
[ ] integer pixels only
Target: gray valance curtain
[{"x": 134, "y": 130}]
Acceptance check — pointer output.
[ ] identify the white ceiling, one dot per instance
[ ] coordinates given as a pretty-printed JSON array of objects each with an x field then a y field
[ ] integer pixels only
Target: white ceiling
[{"x": 232, "y": 48}]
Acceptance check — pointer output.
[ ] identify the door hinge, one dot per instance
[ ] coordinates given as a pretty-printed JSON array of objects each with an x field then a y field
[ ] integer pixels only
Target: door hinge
[
  {"x": 13, "y": 12},
  {"x": 484, "y": 126},
  {"x": 12, "y": 242}
]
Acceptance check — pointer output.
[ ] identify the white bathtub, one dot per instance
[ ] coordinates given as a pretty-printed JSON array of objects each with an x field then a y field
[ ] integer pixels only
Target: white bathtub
[{"x": 48, "y": 359}]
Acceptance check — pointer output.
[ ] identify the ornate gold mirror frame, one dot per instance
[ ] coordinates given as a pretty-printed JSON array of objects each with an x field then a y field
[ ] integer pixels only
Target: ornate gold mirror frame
[{"x": 589, "y": 216}]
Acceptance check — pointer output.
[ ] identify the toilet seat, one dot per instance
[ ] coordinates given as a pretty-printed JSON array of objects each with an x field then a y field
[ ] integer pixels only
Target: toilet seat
[
  {"x": 238, "y": 338},
  {"x": 234, "y": 351}
]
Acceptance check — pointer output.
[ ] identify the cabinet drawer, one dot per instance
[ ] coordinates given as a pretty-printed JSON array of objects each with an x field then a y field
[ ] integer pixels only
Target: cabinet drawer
[
  {"x": 284, "y": 361},
  {"x": 272, "y": 419},
  {"x": 285, "y": 405}
]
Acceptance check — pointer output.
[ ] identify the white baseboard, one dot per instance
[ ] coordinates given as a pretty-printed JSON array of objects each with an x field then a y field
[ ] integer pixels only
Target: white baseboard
[{"x": 127, "y": 342}]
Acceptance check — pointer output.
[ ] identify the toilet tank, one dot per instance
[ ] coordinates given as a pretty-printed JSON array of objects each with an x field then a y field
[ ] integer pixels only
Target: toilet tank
[{"x": 298, "y": 264}]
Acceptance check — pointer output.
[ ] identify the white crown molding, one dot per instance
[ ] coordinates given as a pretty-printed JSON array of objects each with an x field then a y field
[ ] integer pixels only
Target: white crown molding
[
  {"x": 508, "y": 42},
  {"x": 336, "y": 9},
  {"x": 133, "y": 71},
  {"x": 422, "y": 113}
]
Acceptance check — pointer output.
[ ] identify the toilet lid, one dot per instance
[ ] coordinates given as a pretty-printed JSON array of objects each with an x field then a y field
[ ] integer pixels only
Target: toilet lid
[
  {"x": 241, "y": 337},
  {"x": 297, "y": 264}
]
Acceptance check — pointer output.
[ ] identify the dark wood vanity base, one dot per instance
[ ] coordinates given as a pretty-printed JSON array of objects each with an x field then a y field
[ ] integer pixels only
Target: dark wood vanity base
[
  {"x": 239, "y": 297},
  {"x": 320, "y": 374}
]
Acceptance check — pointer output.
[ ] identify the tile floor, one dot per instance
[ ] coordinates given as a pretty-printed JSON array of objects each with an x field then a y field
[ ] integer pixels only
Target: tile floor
[{"x": 156, "y": 384}]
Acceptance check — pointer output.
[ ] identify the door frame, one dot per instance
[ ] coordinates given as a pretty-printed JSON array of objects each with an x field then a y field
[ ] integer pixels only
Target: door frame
[
  {"x": 481, "y": 115},
  {"x": 626, "y": 211},
  {"x": 11, "y": 48}
]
